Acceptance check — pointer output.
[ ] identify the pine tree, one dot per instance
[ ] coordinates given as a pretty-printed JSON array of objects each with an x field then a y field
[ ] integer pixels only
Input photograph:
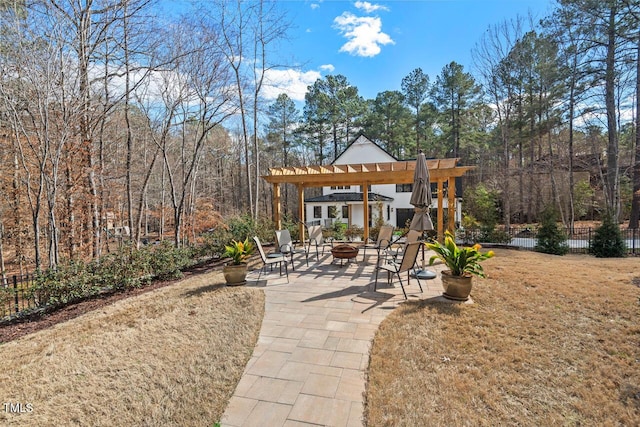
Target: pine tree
[
  {"x": 607, "y": 241},
  {"x": 551, "y": 239}
]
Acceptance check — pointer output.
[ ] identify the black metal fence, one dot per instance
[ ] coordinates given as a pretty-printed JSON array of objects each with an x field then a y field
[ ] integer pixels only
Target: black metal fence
[
  {"x": 579, "y": 240},
  {"x": 17, "y": 295}
]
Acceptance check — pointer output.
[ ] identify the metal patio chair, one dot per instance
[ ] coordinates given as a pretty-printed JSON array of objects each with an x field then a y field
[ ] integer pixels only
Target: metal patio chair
[
  {"x": 271, "y": 260},
  {"x": 408, "y": 260}
]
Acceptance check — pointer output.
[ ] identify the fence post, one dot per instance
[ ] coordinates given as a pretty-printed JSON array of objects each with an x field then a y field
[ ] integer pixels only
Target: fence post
[{"x": 15, "y": 293}]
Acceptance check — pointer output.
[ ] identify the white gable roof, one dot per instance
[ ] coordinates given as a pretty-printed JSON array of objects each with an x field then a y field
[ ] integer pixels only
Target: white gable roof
[{"x": 363, "y": 150}]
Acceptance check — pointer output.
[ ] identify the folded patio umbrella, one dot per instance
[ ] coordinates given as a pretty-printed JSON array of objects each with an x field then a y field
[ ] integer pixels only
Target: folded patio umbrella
[{"x": 421, "y": 200}]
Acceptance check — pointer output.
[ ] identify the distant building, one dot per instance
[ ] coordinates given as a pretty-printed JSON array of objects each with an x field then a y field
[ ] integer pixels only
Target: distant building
[{"x": 391, "y": 201}]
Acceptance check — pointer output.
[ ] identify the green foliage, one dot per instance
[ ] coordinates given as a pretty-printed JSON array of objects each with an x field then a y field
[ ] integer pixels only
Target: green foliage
[
  {"x": 494, "y": 235},
  {"x": 607, "y": 240},
  {"x": 167, "y": 262},
  {"x": 582, "y": 196},
  {"x": 551, "y": 238},
  {"x": 239, "y": 251},
  {"x": 353, "y": 232},
  {"x": 482, "y": 204},
  {"x": 339, "y": 229},
  {"x": 460, "y": 260},
  {"x": 239, "y": 228},
  {"x": 124, "y": 269},
  {"x": 469, "y": 221},
  {"x": 70, "y": 282}
]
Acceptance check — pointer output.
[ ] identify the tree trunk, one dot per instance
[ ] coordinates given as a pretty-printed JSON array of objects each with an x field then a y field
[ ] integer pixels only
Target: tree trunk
[
  {"x": 635, "y": 203},
  {"x": 612, "y": 192}
]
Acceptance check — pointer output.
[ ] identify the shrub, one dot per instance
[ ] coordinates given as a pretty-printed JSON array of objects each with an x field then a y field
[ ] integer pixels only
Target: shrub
[
  {"x": 607, "y": 240},
  {"x": 493, "y": 235},
  {"x": 551, "y": 239},
  {"x": 125, "y": 268},
  {"x": 70, "y": 282},
  {"x": 240, "y": 228},
  {"x": 482, "y": 204},
  {"x": 167, "y": 262}
]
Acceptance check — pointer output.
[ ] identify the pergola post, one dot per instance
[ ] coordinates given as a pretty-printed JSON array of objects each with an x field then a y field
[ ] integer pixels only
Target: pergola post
[
  {"x": 440, "y": 210},
  {"x": 301, "y": 211},
  {"x": 365, "y": 210},
  {"x": 451, "y": 194},
  {"x": 277, "y": 218}
]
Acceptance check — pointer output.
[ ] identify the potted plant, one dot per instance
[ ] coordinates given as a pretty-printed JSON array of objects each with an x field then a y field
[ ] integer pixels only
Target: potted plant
[
  {"x": 235, "y": 272},
  {"x": 462, "y": 263}
]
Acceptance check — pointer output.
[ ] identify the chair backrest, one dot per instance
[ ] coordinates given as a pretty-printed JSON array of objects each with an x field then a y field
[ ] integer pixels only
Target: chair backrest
[
  {"x": 283, "y": 237},
  {"x": 410, "y": 256},
  {"x": 384, "y": 235},
  {"x": 413, "y": 236},
  {"x": 259, "y": 246},
  {"x": 315, "y": 234}
]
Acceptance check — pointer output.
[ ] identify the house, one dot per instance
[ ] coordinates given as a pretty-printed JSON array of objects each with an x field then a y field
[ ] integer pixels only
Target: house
[{"x": 389, "y": 201}]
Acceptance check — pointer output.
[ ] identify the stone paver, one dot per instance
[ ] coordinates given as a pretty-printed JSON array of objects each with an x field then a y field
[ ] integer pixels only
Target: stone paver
[{"x": 308, "y": 367}]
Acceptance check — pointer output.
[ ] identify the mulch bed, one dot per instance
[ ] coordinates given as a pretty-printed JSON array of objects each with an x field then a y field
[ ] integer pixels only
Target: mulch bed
[{"x": 22, "y": 327}]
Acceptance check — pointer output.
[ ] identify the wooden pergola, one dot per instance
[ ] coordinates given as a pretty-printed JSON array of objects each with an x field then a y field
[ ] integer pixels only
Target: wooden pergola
[{"x": 365, "y": 174}]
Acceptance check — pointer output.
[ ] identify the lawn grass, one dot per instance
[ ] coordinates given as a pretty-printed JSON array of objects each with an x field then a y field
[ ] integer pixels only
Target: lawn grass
[
  {"x": 549, "y": 341},
  {"x": 172, "y": 356}
]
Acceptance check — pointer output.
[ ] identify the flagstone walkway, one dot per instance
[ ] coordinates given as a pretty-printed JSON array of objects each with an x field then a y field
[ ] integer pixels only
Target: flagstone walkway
[{"x": 308, "y": 367}]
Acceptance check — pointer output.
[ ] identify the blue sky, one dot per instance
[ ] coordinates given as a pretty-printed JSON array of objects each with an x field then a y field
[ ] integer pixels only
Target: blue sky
[{"x": 375, "y": 44}]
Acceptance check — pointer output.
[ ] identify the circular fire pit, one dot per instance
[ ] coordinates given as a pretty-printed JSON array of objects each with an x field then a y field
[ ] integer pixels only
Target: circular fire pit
[{"x": 343, "y": 252}]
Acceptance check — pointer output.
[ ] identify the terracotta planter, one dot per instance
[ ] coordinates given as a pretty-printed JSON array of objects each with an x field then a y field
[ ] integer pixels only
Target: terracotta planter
[
  {"x": 456, "y": 288},
  {"x": 235, "y": 274}
]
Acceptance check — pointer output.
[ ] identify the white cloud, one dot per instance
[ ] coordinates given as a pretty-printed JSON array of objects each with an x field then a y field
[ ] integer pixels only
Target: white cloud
[
  {"x": 368, "y": 7},
  {"x": 327, "y": 67},
  {"x": 314, "y": 6},
  {"x": 364, "y": 34},
  {"x": 292, "y": 82}
]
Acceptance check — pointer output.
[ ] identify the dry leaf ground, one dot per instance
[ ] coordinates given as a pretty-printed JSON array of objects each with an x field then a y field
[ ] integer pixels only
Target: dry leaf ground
[
  {"x": 549, "y": 341},
  {"x": 172, "y": 356}
]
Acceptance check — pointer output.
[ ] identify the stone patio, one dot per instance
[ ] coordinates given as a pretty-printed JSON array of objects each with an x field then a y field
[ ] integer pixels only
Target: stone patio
[{"x": 308, "y": 367}]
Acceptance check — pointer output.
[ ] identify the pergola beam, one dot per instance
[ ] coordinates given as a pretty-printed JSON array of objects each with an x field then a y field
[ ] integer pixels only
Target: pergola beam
[{"x": 365, "y": 174}]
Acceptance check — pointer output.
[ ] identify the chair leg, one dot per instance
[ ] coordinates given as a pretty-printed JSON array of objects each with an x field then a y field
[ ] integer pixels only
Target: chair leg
[
  {"x": 260, "y": 272},
  {"x": 417, "y": 278},
  {"x": 401, "y": 285},
  {"x": 286, "y": 270},
  {"x": 375, "y": 284}
]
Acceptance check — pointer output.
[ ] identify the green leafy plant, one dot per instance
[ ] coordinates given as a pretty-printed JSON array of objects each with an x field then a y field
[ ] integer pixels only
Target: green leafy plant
[
  {"x": 462, "y": 261},
  {"x": 239, "y": 251}
]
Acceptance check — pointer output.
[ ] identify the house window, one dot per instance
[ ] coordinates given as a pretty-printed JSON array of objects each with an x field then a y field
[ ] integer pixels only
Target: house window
[
  {"x": 317, "y": 211},
  {"x": 368, "y": 188},
  {"x": 341, "y": 187},
  {"x": 345, "y": 211},
  {"x": 332, "y": 212},
  {"x": 404, "y": 188}
]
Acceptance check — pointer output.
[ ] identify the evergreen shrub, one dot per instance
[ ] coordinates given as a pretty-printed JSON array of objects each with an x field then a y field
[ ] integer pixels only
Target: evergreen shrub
[
  {"x": 551, "y": 238},
  {"x": 607, "y": 240}
]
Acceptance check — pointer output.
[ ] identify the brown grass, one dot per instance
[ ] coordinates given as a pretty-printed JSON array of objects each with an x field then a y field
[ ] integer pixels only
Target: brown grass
[
  {"x": 549, "y": 341},
  {"x": 169, "y": 357}
]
